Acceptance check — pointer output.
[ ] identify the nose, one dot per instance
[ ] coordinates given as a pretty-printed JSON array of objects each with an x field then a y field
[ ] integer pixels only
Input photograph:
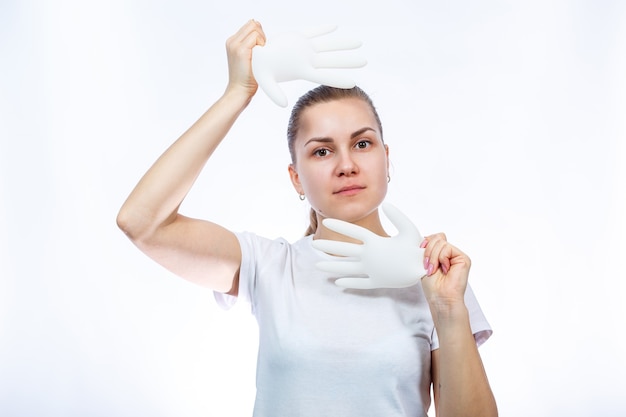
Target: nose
[{"x": 346, "y": 165}]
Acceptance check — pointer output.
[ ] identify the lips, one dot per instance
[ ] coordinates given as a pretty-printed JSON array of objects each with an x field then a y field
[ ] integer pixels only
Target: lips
[{"x": 349, "y": 189}]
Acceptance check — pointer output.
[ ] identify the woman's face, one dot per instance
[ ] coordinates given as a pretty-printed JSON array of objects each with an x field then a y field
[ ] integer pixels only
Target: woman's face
[{"x": 341, "y": 162}]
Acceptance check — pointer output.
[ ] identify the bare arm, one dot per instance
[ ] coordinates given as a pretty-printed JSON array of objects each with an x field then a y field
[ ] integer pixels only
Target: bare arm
[
  {"x": 197, "y": 250},
  {"x": 460, "y": 384}
]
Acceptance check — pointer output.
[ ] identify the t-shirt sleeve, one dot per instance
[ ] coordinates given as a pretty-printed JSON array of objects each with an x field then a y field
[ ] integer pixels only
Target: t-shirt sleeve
[
  {"x": 478, "y": 322},
  {"x": 247, "y": 275}
]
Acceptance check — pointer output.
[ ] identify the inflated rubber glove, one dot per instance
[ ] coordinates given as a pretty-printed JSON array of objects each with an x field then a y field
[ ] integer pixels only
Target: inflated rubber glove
[
  {"x": 388, "y": 262},
  {"x": 304, "y": 56}
]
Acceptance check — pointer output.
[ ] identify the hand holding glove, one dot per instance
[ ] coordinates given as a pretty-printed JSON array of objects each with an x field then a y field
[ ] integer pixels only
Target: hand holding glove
[{"x": 315, "y": 56}]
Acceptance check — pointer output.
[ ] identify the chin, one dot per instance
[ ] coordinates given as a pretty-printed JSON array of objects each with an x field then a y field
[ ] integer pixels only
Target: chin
[{"x": 352, "y": 212}]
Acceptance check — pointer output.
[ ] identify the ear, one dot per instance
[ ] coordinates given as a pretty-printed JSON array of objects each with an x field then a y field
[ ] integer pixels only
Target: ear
[
  {"x": 295, "y": 179},
  {"x": 387, "y": 156}
]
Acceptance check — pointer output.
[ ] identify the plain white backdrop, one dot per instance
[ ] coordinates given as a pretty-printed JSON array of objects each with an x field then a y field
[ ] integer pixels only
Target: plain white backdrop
[{"x": 507, "y": 130}]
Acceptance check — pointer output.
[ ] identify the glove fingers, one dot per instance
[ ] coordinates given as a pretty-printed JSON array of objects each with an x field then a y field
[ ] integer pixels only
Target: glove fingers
[
  {"x": 405, "y": 227},
  {"x": 354, "y": 283},
  {"x": 333, "y": 80},
  {"x": 334, "y": 43},
  {"x": 329, "y": 77},
  {"x": 325, "y": 60},
  {"x": 316, "y": 31},
  {"x": 265, "y": 79},
  {"x": 273, "y": 91},
  {"x": 341, "y": 267},
  {"x": 348, "y": 229},
  {"x": 337, "y": 248}
]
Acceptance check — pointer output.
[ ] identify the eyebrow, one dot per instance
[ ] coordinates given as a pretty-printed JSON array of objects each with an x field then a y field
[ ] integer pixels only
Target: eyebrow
[{"x": 329, "y": 140}]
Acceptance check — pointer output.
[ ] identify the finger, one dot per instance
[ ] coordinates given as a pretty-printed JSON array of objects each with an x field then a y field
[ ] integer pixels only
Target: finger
[
  {"x": 429, "y": 243},
  {"x": 341, "y": 267},
  {"x": 337, "y": 60},
  {"x": 256, "y": 37},
  {"x": 432, "y": 255},
  {"x": 241, "y": 33},
  {"x": 348, "y": 229},
  {"x": 451, "y": 255},
  {"x": 405, "y": 226},
  {"x": 251, "y": 32},
  {"x": 435, "y": 236},
  {"x": 337, "y": 248},
  {"x": 355, "y": 283},
  {"x": 444, "y": 258}
]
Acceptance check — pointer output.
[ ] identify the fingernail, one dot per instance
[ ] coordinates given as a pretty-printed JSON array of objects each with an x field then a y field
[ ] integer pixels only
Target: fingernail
[
  {"x": 423, "y": 244},
  {"x": 426, "y": 262},
  {"x": 444, "y": 269},
  {"x": 431, "y": 269}
]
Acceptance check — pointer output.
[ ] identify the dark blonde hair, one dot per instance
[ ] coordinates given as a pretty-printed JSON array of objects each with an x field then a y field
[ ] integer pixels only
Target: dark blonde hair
[{"x": 322, "y": 94}]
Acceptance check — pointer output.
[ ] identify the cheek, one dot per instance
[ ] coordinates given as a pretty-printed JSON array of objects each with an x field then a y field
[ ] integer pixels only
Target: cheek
[
  {"x": 382, "y": 167},
  {"x": 304, "y": 176},
  {"x": 383, "y": 185},
  {"x": 311, "y": 181}
]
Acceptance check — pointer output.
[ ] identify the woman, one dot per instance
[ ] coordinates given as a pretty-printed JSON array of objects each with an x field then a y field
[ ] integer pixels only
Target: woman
[{"x": 323, "y": 350}]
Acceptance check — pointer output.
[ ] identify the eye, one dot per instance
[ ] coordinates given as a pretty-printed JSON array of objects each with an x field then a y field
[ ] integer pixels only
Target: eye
[
  {"x": 363, "y": 144},
  {"x": 322, "y": 152}
]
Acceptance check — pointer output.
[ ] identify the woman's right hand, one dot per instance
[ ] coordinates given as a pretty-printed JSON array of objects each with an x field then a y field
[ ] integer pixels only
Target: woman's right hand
[{"x": 239, "y": 51}]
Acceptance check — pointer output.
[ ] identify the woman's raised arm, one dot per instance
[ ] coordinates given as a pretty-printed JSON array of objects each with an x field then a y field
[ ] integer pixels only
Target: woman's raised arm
[{"x": 197, "y": 250}]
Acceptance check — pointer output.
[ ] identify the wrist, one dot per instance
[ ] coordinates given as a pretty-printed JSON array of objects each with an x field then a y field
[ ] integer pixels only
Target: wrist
[
  {"x": 449, "y": 315},
  {"x": 238, "y": 94}
]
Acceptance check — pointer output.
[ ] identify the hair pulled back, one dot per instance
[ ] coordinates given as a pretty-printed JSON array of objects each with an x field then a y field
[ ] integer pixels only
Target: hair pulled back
[{"x": 322, "y": 94}]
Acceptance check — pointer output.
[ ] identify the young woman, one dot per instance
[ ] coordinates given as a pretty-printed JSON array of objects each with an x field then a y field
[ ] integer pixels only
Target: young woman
[{"x": 323, "y": 349}]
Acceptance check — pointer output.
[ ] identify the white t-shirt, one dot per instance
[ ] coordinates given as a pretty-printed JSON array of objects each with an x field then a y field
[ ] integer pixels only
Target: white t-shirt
[{"x": 329, "y": 351}]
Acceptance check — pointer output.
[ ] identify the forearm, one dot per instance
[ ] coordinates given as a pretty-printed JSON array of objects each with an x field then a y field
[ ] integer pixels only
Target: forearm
[
  {"x": 463, "y": 388},
  {"x": 159, "y": 193}
]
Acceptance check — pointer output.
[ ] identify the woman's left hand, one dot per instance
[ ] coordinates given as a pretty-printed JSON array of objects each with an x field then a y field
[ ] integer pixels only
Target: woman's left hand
[{"x": 447, "y": 273}]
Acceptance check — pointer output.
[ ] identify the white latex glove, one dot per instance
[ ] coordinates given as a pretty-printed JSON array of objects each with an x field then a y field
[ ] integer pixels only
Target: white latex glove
[
  {"x": 388, "y": 262},
  {"x": 304, "y": 56}
]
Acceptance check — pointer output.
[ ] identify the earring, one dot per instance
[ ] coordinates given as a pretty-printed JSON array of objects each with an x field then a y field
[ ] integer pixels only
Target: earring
[
  {"x": 388, "y": 178},
  {"x": 302, "y": 197}
]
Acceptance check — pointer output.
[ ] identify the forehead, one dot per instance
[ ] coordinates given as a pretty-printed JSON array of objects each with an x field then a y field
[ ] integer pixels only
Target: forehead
[{"x": 336, "y": 117}]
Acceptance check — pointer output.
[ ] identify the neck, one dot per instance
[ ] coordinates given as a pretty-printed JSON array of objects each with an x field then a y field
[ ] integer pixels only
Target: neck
[{"x": 371, "y": 222}]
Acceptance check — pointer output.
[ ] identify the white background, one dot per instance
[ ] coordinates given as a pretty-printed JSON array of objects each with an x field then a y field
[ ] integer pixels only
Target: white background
[{"x": 507, "y": 129}]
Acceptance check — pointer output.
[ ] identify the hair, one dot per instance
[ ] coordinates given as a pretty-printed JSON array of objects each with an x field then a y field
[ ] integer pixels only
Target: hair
[{"x": 322, "y": 94}]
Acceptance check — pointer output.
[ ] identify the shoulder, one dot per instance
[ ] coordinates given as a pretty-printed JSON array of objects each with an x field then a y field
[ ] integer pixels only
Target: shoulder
[
  {"x": 265, "y": 263},
  {"x": 258, "y": 250},
  {"x": 260, "y": 245}
]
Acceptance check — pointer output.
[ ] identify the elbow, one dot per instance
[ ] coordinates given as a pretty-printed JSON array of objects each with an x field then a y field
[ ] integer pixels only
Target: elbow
[
  {"x": 124, "y": 223},
  {"x": 132, "y": 224},
  {"x": 490, "y": 409}
]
